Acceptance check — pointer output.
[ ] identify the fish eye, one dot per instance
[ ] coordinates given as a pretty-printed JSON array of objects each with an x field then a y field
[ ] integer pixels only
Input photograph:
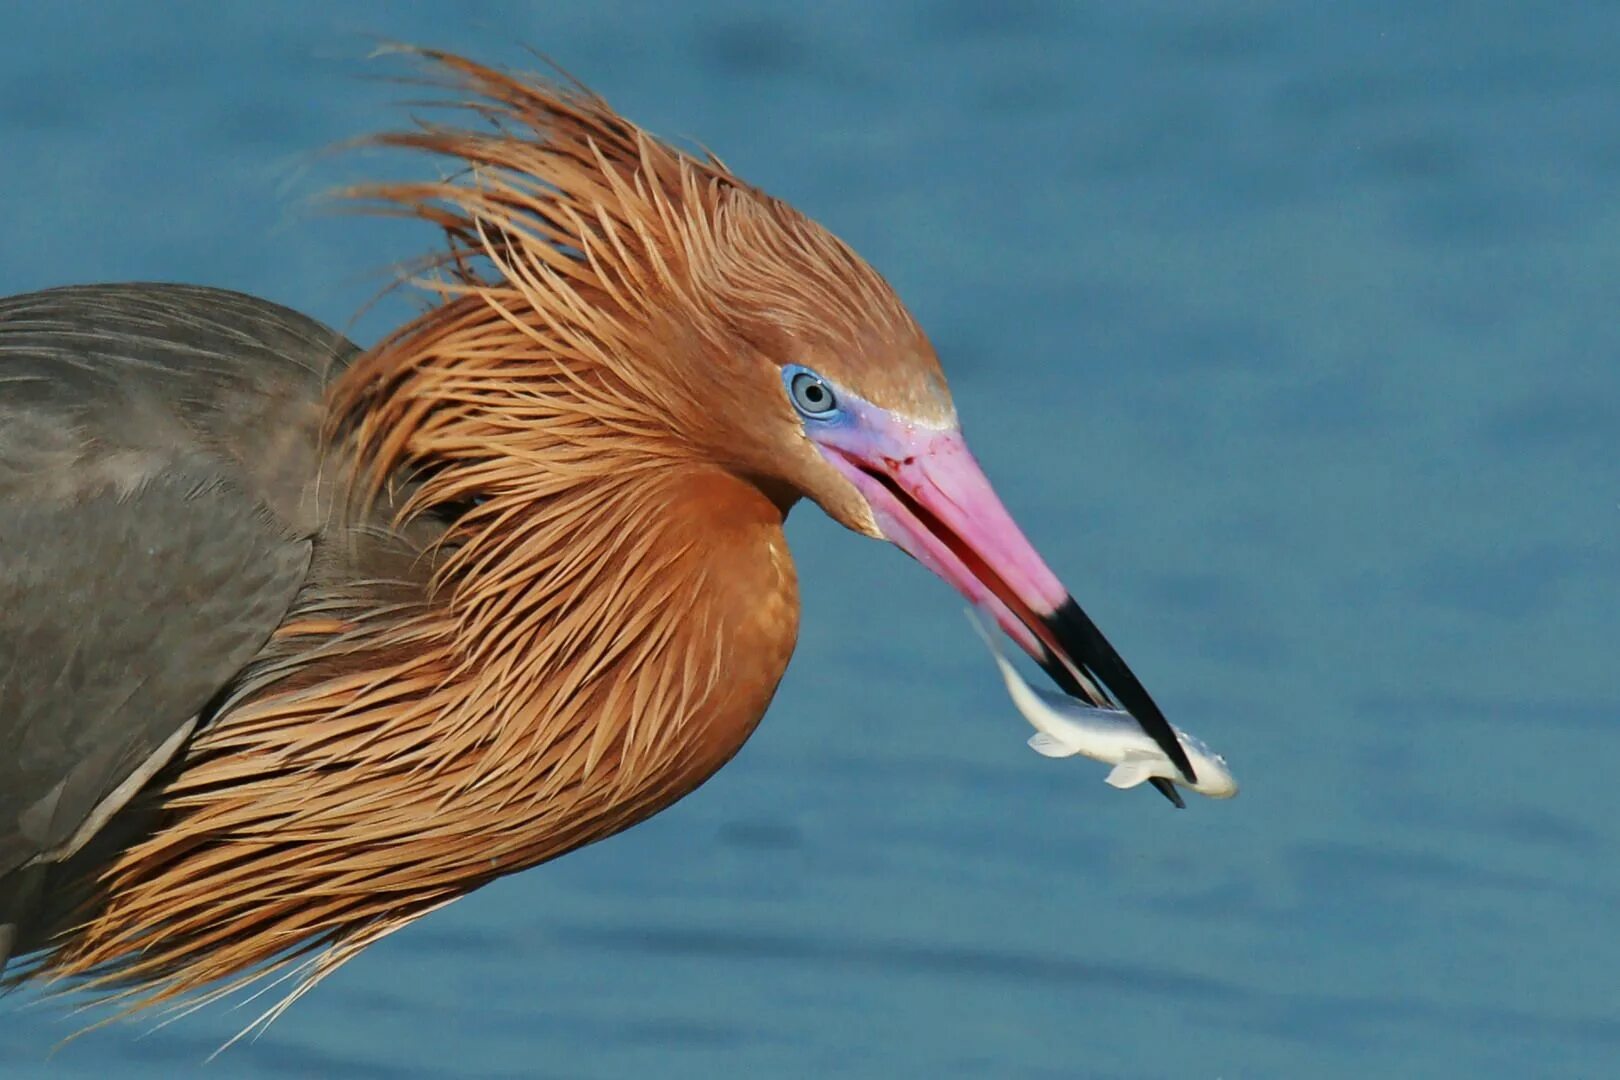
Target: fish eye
[{"x": 810, "y": 393}]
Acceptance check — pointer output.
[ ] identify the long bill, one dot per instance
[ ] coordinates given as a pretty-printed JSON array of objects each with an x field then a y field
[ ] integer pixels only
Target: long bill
[{"x": 932, "y": 500}]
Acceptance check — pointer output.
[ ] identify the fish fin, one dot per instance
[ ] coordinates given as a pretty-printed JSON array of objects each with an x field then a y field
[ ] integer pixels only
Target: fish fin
[
  {"x": 1046, "y": 746},
  {"x": 1130, "y": 772}
]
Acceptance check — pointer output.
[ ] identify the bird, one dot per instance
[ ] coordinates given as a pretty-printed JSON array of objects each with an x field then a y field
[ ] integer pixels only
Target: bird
[{"x": 301, "y": 641}]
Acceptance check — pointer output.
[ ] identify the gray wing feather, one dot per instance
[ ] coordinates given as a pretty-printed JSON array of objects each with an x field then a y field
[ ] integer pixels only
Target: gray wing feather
[
  {"x": 123, "y": 616},
  {"x": 160, "y": 493}
]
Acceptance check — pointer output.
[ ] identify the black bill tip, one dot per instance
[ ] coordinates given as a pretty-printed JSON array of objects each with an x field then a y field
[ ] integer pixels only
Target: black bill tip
[
  {"x": 1085, "y": 646},
  {"x": 1169, "y": 791}
]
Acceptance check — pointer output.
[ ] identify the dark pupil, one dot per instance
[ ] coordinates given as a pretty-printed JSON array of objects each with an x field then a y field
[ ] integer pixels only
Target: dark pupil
[{"x": 814, "y": 395}]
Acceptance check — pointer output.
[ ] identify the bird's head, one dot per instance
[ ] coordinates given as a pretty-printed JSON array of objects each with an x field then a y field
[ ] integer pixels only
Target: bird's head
[
  {"x": 866, "y": 428},
  {"x": 697, "y": 315}
]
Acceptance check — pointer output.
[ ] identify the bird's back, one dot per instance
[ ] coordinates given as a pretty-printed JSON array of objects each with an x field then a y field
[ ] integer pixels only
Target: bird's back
[{"x": 161, "y": 501}]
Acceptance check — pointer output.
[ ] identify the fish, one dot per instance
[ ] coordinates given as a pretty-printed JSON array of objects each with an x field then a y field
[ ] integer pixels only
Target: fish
[{"x": 1065, "y": 727}]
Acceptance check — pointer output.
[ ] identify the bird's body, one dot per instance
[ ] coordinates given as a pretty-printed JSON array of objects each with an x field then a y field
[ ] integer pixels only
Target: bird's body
[
  {"x": 263, "y": 563},
  {"x": 166, "y": 508},
  {"x": 150, "y": 541},
  {"x": 301, "y": 642}
]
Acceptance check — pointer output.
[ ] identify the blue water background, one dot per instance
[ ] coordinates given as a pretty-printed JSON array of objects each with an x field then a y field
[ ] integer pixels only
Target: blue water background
[{"x": 1288, "y": 332}]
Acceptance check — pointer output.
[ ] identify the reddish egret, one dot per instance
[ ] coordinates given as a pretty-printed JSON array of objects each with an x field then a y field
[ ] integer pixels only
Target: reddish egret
[{"x": 301, "y": 642}]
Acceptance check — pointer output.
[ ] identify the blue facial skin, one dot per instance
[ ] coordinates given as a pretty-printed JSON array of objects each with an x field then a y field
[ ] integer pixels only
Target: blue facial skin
[{"x": 840, "y": 421}]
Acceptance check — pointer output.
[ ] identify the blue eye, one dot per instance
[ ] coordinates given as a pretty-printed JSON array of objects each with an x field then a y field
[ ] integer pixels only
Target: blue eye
[{"x": 811, "y": 394}]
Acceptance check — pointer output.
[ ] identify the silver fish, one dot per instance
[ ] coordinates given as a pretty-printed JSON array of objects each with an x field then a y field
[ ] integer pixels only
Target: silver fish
[{"x": 1065, "y": 727}]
